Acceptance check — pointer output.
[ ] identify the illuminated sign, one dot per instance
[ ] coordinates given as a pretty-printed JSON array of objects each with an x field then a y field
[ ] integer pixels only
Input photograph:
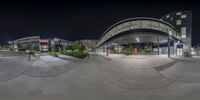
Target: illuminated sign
[
  {"x": 180, "y": 46},
  {"x": 44, "y": 41}
]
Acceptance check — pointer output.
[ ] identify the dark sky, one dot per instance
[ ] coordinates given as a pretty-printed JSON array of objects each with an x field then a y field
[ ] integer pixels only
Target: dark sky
[{"x": 81, "y": 20}]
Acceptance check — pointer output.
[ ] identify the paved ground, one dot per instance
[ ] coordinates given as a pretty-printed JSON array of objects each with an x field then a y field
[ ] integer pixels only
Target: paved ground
[
  {"x": 46, "y": 66},
  {"x": 116, "y": 77}
]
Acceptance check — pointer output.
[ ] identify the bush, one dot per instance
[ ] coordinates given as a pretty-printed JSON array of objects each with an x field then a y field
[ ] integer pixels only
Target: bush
[
  {"x": 54, "y": 54},
  {"x": 78, "y": 54},
  {"x": 30, "y": 52},
  {"x": 127, "y": 51}
]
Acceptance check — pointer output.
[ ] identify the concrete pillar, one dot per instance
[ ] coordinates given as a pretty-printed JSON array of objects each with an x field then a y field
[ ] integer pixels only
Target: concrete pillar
[
  {"x": 158, "y": 45},
  {"x": 175, "y": 52},
  {"x": 173, "y": 47},
  {"x": 107, "y": 50},
  {"x": 118, "y": 48},
  {"x": 168, "y": 46}
]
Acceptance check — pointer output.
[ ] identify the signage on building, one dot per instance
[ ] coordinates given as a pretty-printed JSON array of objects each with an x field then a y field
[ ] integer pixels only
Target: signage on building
[
  {"x": 44, "y": 41},
  {"x": 180, "y": 46}
]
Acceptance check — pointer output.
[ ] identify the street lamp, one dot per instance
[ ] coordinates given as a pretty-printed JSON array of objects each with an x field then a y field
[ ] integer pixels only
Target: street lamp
[
  {"x": 52, "y": 46},
  {"x": 9, "y": 42}
]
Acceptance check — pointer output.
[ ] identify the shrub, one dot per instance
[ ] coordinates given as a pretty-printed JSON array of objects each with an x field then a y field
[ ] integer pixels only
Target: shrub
[
  {"x": 78, "y": 54},
  {"x": 30, "y": 52},
  {"x": 54, "y": 54},
  {"x": 127, "y": 51}
]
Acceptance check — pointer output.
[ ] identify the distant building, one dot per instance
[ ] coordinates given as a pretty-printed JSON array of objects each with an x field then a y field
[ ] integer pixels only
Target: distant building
[
  {"x": 38, "y": 44},
  {"x": 90, "y": 45},
  {"x": 59, "y": 44}
]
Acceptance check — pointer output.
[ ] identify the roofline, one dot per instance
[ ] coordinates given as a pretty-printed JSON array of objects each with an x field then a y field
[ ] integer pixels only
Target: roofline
[
  {"x": 136, "y": 18},
  {"x": 27, "y": 38}
]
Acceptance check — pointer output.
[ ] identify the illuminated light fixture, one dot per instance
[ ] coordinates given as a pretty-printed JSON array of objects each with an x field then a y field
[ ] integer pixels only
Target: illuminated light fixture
[
  {"x": 170, "y": 32},
  {"x": 114, "y": 43},
  {"x": 9, "y": 42},
  {"x": 168, "y": 16},
  {"x": 138, "y": 40}
]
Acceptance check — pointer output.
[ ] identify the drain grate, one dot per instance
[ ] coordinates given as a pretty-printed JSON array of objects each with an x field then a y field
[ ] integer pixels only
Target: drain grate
[{"x": 163, "y": 67}]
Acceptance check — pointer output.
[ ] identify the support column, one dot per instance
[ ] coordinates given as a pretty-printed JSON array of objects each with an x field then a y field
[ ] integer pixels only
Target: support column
[
  {"x": 152, "y": 47},
  {"x": 107, "y": 51},
  {"x": 158, "y": 45},
  {"x": 168, "y": 46},
  {"x": 118, "y": 48},
  {"x": 175, "y": 49}
]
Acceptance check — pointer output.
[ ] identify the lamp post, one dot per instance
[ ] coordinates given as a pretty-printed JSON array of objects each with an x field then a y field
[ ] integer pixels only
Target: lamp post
[
  {"x": 52, "y": 46},
  {"x": 169, "y": 39}
]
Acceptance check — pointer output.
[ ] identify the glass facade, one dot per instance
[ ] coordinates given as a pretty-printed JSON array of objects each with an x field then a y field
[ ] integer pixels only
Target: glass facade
[
  {"x": 28, "y": 43},
  {"x": 183, "y": 22},
  {"x": 139, "y": 24},
  {"x": 35, "y": 43},
  {"x": 177, "y": 24}
]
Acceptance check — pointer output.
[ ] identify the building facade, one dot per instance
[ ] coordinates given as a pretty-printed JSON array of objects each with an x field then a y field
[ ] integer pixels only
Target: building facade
[
  {"x": 59, "y": 45},
  {"x": 38, "y": 44},
  {"x": 169, "y": 34},
  {"x": 183, "y": 22},
  {"x": 90, "y": 45}
]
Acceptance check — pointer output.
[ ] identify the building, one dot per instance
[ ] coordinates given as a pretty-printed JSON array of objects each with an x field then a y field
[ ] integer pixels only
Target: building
[
  {"x": 183, "y": 22},
  {"x": 59, "y": 45},
  {"x": 171, "y": 34},
  {"x": 38, "y": 44},
  {"x": 90, "y": 45},
  {"x": 27, "y": 43}
]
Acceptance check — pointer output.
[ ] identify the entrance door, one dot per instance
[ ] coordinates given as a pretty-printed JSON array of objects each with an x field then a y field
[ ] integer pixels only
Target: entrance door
[{"x": 179, "y": 51}]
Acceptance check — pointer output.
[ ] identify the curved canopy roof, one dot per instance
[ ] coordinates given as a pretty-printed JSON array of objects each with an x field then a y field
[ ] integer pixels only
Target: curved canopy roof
[{"x": 140, "y": 24}]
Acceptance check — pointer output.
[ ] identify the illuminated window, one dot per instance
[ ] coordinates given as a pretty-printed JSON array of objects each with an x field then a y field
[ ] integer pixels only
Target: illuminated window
[
  {"x": 183, "y": 32},
  {"x": 167, "y": 16},
  {"x": 145, "y": 24},
  {"x": 178, "y": 13},
  {"x": 183, "y": 16},
  {"x": 178, "y": 22}
]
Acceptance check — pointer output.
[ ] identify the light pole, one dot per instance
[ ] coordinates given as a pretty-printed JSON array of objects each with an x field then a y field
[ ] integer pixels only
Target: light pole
[
  {"x": 169, "y": 43},
  {"x": 52, "y": 46}
]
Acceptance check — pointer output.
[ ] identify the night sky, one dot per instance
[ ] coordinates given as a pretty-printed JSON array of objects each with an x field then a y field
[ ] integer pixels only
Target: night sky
[{"x": 81, "y": 20}]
